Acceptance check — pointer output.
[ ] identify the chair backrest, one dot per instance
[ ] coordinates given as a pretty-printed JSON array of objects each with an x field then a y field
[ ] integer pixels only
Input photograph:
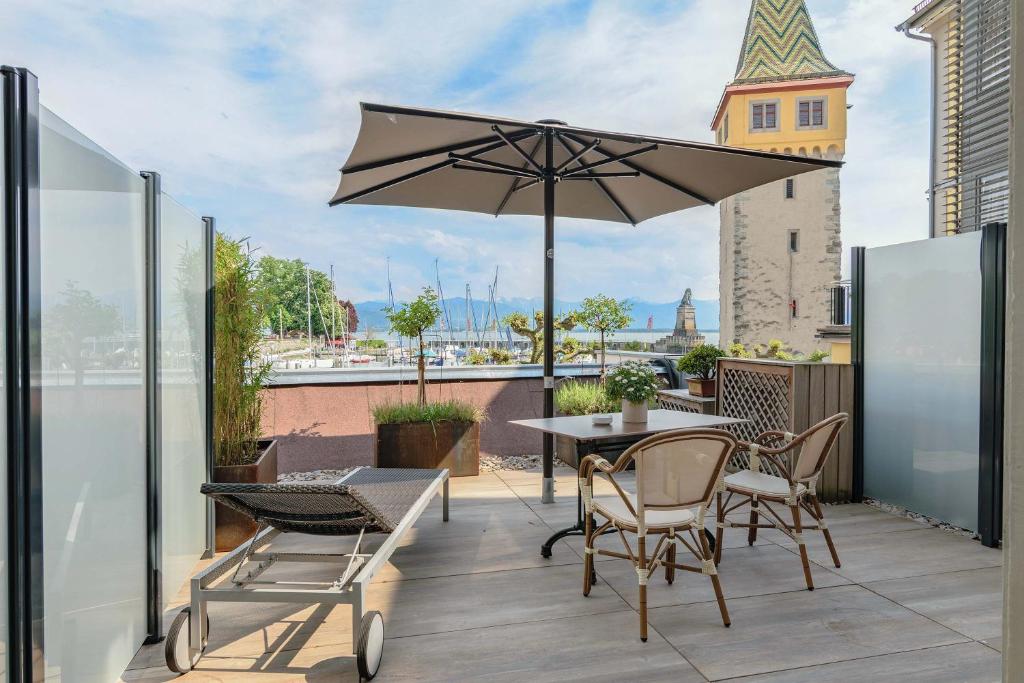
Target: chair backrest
[
  {"x": 679, "y": 469},
  {"x": 816, "y": 444}
]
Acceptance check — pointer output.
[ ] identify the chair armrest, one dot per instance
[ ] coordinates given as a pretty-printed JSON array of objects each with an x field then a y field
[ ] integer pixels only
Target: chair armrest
[
  {"x": 769, "y": 454},
  {"x": 591, "y": 463}
]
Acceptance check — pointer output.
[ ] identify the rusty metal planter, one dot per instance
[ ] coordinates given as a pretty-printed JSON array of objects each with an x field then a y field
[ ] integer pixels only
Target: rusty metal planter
[
  {"x": 430, "y": 445},
  {"x": 233, "y": 528}
]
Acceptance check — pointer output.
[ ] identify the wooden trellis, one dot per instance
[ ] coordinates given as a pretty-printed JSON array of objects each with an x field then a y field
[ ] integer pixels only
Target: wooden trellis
[{"x": 791, "y": 397}]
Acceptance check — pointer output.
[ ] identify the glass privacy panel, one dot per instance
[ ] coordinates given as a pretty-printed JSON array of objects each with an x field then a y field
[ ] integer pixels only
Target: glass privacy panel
[
  {"x": 922, "y": 363},
  {"x": 93, "y": 407},
  {"x": 181, "y": 377},
  {"x": 3, "y": 418}
]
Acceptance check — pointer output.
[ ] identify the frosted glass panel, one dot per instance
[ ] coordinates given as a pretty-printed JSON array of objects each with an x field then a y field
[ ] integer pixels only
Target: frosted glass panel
[
  {"x": 93, "y": 407},
  {"x": 182, "y": 373},
  {"x": 922, "y": 351},
  {"x": 3, "y": 425}
]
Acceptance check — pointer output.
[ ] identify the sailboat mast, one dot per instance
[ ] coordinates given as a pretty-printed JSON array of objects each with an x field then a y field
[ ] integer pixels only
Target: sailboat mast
[{"x": 309, "y": 318}]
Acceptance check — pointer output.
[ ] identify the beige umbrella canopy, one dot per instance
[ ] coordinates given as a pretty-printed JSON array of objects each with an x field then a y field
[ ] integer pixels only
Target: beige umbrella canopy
[{"x": 406, "y": 156}]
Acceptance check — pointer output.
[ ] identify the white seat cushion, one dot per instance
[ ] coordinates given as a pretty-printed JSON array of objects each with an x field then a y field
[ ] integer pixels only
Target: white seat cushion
[
  {"x": 748, "y": 481},
  {"x": 615, "y": 509}
]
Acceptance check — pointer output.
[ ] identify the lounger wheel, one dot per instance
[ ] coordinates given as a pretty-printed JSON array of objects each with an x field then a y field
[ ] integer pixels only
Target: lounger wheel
[
  {"x": 176, "y": 644},
  {"x": 370, "y": 646}
]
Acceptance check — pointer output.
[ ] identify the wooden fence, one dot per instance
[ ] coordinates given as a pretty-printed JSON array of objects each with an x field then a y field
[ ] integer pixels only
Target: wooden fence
[{"x": 791, "y": 397}]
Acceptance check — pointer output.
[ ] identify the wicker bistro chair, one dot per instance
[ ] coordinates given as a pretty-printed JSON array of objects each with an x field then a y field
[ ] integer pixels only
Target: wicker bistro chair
[
  {"x": 799, "y": 459},
  {"x": 677, "y": 475}
]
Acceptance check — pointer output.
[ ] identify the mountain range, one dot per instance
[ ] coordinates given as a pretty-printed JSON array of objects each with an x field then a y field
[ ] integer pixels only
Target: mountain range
[{"x": 371, "y": 312}]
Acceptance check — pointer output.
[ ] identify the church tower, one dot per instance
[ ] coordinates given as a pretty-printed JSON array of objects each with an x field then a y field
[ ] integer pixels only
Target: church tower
[{"x": 780, "y": 244}]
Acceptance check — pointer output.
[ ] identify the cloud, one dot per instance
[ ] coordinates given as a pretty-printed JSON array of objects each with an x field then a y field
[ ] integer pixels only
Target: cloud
[{"x": 248, "y": 109}]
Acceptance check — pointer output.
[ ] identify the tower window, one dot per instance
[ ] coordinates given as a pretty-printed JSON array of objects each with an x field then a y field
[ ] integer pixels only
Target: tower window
[
  {"x": 792, "y": 309},
  {"x": 794, "y": 241},
  {"x": 790, "y": 188},
  {"x": 725, "y": 129},
  {"x": 764, "y": 116},
  {"x": 810, "y": 113}
]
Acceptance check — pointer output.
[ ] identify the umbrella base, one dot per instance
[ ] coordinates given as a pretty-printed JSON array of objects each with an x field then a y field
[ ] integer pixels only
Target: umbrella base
[{"x": 547, "y": 493}]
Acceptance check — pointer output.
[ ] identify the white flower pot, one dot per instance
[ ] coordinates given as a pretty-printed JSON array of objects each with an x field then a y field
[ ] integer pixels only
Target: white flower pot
[{"x": 634, "y": 412}]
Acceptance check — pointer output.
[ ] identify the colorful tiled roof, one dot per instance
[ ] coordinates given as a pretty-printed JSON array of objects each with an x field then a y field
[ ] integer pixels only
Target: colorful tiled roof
[{"x": 781, "y": 44}]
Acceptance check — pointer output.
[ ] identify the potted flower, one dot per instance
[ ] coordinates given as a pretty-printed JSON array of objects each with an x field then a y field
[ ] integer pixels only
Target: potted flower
[
  {"x": 701, "y": 362},
  {"x": 577, "y": 397},
  {"x": 634, "y": 383},
  {"x": 240, "y": 455},
  {"x": 425, "y": 434}
]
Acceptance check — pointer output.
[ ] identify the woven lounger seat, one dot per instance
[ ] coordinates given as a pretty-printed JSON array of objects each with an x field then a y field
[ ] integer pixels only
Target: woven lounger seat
[
  {"x": 370, "y": 500},
  {"x": 365, "y": 501}
]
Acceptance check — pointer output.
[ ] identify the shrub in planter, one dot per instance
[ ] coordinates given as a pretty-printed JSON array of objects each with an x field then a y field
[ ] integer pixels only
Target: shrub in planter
[
  {"x": 434, "y": 435},
  {"x": 444, "y": 434},
  {"x": 702, "y": 362},
  {"x": 636, "y": 384},
  {"x": 239, "y": 375}
]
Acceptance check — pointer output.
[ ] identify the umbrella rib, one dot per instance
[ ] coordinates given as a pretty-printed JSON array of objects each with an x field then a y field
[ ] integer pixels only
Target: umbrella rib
[
  {"x": 492, "y": 164},
  {"x": 591, "y": 175},
  {"x": 611, "y": 160},
  {"x": 600, "y": 184},
  {"x": 499, "y": 171},
  {"x": 394, "y": 181},
  {"x": 650, "y": 174},
  {"x": 514, "y": 187},
  {"x": 493, "y": 142},
  {"x": 512, "y": 143}
]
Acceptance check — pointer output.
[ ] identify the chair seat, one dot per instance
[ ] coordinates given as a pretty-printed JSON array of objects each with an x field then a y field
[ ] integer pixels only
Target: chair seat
[
  {"x": 750, "y": 482},
  {"x": 615, "y": 509}
]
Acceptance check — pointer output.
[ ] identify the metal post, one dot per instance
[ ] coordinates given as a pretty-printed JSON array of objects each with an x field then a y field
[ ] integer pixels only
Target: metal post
[
  {"x": 209, "y": 248},
  {"x": 857, "y": 259},
  {"x": 990, "y": 446},
  {"x": 548, "y": 491},
  {"x": 22, "y": 379},
  {"x": 154, "y": 552}
]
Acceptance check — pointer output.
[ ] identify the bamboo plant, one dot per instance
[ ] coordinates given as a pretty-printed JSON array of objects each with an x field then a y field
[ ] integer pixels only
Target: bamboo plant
[{"x": 239, "y": 370}]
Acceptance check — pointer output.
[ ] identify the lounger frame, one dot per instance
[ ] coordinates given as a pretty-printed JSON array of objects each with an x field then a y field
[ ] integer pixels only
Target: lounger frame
[{"x": 349, "y": 588}]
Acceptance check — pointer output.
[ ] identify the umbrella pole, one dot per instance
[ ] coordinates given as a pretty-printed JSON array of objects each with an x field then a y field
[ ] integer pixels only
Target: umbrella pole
[{"x": 548, "y": 491}]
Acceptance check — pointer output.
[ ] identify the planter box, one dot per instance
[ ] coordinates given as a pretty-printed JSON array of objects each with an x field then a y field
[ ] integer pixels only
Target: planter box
[
  {"x": 567, "y": 452},
  {"x": 234, "y": 528},
  {"x": 451, "y": 445},
  {"x": 701, "y": 387}
]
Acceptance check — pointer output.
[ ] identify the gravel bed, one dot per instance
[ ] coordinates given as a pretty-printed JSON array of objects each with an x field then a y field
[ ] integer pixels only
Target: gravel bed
[
  {"x": 328, "y": 476},
  {"x": 488, "y": 463},
  {"x": 923, "y": 520}
]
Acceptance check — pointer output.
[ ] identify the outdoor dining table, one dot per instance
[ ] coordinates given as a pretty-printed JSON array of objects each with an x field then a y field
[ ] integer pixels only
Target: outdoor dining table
[{"x": 593, "y": 438}]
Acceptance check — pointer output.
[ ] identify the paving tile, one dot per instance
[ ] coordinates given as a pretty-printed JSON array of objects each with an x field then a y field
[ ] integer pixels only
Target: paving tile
[
  {"x": 969, "y": 602},
  {"x": 789, "y": 630},
  {"x": 747, "y": 571},
  {"x": 962, "y": 663},
  {"x": 900, "y": 554},
  {"x": 602, "y": 648}
]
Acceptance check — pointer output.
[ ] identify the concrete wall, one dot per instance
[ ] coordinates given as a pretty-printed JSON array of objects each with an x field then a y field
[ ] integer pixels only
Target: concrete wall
[
  {"x": 759, "y": 275},
  {"x": 328, "y": 426}
]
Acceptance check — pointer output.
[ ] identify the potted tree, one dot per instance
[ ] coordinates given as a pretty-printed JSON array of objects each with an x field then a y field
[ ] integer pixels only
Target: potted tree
[
  {"x": 635, "y": 383},
  {"x": 578, "y": 397},
  {"x": 604, "y": 315},
  {"x": 701, "y": 362},
  {"x": 441, "y": 434},
  {"x": 240, "y": 455}
]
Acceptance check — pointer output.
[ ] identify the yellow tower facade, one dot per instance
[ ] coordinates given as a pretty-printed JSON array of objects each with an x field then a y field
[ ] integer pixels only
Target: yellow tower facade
[{"x": 780, "y": 244}]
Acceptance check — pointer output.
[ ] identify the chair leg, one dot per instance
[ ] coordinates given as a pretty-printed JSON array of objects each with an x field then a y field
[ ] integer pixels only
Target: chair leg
[
  {"x": 720, "y": 528},
  {"x": 588, "y": 554},
  {"x": 670, "y": 558},
  {"x": 752, "y": 531},
  {"x": 798, "y": 530},
  {"x": 824, "y": 529},
  {"x": 641, "y": 556},
  {"x": 715, "y": 582}
]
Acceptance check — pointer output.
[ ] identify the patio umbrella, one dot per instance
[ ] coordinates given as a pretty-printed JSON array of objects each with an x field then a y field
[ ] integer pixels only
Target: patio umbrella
[{"x": 408, "y": 156}]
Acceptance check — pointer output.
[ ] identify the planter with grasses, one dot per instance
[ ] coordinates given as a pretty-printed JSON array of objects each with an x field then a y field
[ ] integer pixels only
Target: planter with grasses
[
  {"x": 240, "y": 455},
  {"x": 582, "y": 397},
  {"x": 433, "y": 435}
]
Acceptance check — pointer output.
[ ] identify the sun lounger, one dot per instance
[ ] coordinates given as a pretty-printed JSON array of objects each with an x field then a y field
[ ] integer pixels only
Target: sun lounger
[{"x": 365, "y": 501}]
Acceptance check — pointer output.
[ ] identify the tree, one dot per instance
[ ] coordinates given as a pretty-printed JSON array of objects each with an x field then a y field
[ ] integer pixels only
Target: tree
[
  {"x": 353, "y": 314},
  {"x": 284, "y": 282},
  {"x": 572, "y": 348},
  {"x": 604, "y": 315},
  {"x": 412, "y": 320},
  {"x": 78, "y": 316},
  {"x": 520, "y": 324}
]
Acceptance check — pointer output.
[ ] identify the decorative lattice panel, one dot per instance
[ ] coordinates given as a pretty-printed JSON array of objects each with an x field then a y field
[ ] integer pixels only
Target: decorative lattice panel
[
  {"x": 671, "y": 403},
  {"x": 761, "y": 394}
]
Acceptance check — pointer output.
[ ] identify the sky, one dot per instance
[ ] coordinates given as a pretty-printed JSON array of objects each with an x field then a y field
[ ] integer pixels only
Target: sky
[{"x": 248, "y": 109}]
